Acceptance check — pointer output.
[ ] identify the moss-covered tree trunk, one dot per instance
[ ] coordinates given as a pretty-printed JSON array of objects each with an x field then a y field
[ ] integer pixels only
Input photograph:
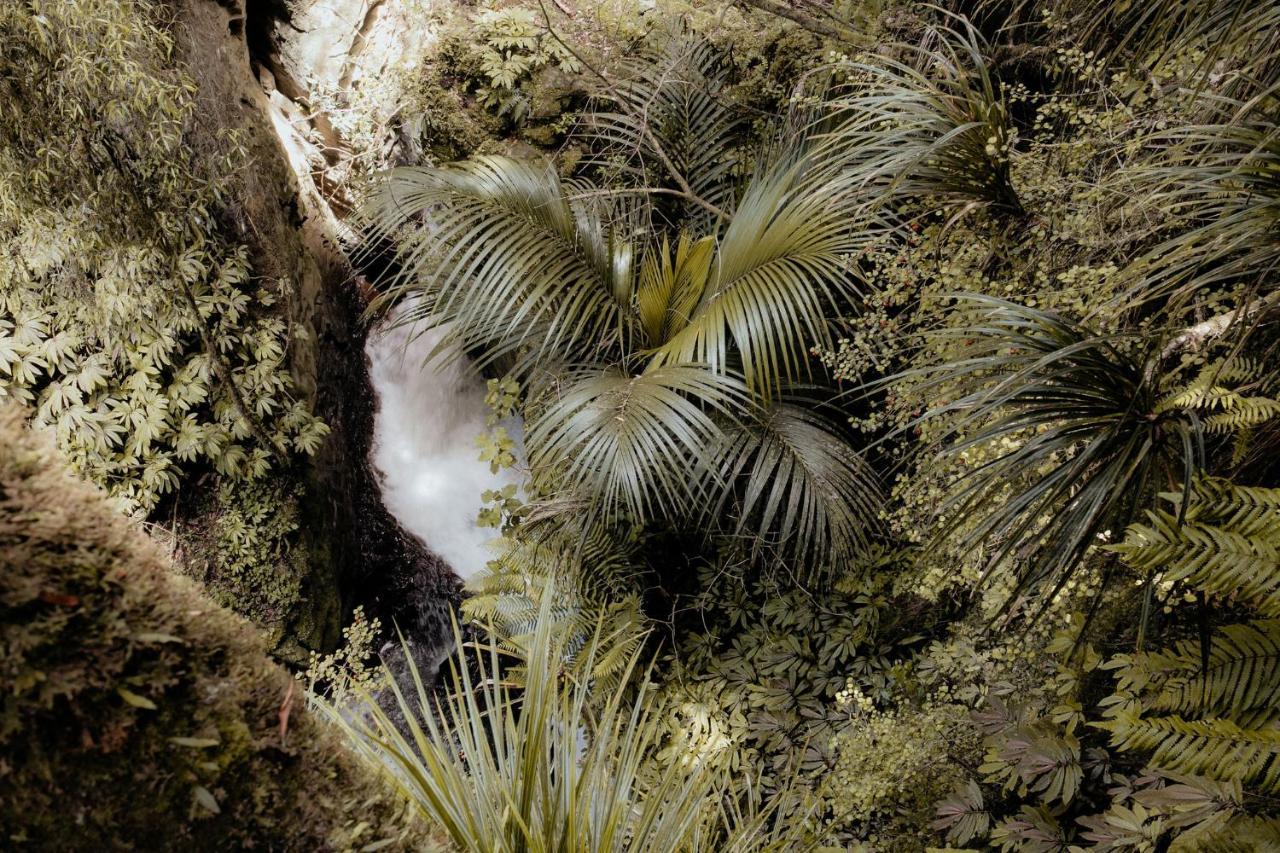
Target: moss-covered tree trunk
[{"x": 252, "y": 63}]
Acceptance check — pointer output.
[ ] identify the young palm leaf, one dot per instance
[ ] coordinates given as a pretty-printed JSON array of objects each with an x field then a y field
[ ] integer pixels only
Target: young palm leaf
[
  {"x": 1089, "y": 439},
  {"x": 778, "y": 269}
]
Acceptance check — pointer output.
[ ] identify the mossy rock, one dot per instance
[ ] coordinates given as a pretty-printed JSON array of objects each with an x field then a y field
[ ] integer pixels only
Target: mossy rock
[{"x": 138, "y": 714}]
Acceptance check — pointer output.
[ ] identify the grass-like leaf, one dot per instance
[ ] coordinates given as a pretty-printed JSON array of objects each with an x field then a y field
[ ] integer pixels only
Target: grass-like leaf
[{"x": 1089, "y": 443}]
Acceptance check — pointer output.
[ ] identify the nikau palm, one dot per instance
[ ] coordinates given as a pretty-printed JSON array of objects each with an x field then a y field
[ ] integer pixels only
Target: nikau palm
[{"x": 656, "y": 365}]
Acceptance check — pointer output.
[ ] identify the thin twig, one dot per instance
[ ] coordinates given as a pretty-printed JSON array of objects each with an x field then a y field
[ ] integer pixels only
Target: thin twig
[
  {"x": 828, "y": 29},
  {"x": 1198, "y": 335}
]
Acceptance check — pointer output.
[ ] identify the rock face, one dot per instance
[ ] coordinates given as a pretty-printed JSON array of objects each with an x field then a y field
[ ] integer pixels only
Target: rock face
[
  {"x": 139, "y": 715},
  {"x": 261, "y": 68}
]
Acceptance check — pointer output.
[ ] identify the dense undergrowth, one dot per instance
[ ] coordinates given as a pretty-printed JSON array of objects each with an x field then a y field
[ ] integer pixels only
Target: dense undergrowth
[
  {"x": 906, "y": 398},
  {"x": 1013, "y": 269}
]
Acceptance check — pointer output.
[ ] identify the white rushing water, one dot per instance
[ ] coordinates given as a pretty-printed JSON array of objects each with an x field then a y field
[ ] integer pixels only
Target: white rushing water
[{"x": 424, "y": 444}]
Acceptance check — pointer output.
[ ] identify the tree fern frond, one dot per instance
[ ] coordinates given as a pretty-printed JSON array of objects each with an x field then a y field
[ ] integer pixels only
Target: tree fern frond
[
  {"x": 1215, "y": 747},
  {"x": 591, "y": 574},
  {"x": 1228, "y": 544},
  {"x": 1238, "y": 833},
  {"x": 1243, "y": 672}
]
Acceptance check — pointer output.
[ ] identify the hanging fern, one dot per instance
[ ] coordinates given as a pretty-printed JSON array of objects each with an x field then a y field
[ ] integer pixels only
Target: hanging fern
[
  {"x": 1219, "y": 748},
  {"x": 1232, "y": 834},
  {"x": 1242, "y": 675}
]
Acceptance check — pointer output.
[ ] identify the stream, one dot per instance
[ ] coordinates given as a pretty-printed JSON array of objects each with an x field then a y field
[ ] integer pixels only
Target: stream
[{"x": 428, "y": 417}]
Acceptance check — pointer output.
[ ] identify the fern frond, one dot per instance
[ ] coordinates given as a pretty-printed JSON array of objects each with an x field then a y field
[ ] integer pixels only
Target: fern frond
[
  {"x": 1215, "y": 747},
  {"x": 1228, "y": 544},
  {"x": 1243, "y": 672},
  {"x": 1237, "y": 834}
]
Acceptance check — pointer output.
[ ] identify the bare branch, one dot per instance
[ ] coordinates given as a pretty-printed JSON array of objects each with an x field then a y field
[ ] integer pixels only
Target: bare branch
[
  {"x": 826, "y": 28},
  {"x": 1197, "y": 336}
]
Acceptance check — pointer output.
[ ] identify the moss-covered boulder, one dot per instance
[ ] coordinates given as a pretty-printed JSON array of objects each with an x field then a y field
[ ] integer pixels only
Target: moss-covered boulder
[{"x": 137, "y": 714}]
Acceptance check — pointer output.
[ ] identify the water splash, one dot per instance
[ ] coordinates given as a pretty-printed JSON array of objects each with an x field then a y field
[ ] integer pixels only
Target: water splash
[{"x": 429, "y": 415}]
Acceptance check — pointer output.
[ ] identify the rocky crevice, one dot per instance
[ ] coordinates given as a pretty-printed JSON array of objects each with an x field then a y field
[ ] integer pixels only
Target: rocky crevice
[{"x": 250, "y": 65}]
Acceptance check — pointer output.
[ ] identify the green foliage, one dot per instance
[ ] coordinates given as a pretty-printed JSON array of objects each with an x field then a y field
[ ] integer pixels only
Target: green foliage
[
  {"x": 348, "y": 668},
  {"x": 128, "y": 319},
  {"x": 138, "y": 711},
  {"x": 1078, "y": 431},
  {"x": 1224, "y": 541},
  {"x": 508, "y": 47},
  {"x": 893, "y": 766},
  {"x": 254, "y": 566},
  {"x": 652, "y": 369},
  {"x": 772, "y": 682},
  {"x": 537, "y": 768}
]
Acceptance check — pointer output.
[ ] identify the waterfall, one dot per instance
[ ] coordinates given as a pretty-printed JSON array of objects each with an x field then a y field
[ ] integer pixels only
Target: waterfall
[{"x": 424, "y": 442}]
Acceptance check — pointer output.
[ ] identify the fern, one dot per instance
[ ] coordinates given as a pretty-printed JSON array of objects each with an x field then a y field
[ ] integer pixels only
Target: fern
[
  {"x": 1216, "y": 747},
  {"x": 1217, "y": 394},
  {"x": 1243, "y": 672},
  {"x": 1234, "y": 834},
  {"x": 589, "y": 570},
  {"x": 1228, "y": 544}
]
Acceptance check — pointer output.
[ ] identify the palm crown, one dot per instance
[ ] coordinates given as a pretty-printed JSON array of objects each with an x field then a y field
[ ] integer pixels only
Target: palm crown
[{"x": 659, "y": 362}]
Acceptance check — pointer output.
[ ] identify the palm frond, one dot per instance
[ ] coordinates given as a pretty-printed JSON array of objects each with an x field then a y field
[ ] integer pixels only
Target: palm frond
[
  {"x": 938, "y": 127},
  {"x": 798, "y": 488},
  {"x": 1073, "y": 424},
  {"x": 495, "y": 247},
  {"x": 671, "y": 93},
  {"x": 778, "y": 269},
  {"x": 639, "y": 444}
]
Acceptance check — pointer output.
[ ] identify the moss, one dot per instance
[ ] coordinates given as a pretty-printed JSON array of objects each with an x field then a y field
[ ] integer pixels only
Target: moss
[
  {"x": 139, "y": 714},
  {"x": 244, "y": 546},
  {"x": 437, "y": 121}
]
